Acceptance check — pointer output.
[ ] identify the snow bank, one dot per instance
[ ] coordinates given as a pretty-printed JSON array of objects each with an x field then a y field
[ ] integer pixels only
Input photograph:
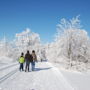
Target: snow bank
[
  {"x": 80, "y": 81},
  {"x": 77, "y": 80},
  {"x": 4, "y": 59}
]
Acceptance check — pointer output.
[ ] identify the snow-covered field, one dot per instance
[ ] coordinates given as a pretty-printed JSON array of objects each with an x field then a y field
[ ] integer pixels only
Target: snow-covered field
[{"x": 45, "y": 77}]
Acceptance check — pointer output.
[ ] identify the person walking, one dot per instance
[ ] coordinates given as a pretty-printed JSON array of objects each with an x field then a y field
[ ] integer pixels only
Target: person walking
[
  {"x": 34, "y": 59},
  {"x": 28, "y": 60},
  {"x": 21, "y": 61}
]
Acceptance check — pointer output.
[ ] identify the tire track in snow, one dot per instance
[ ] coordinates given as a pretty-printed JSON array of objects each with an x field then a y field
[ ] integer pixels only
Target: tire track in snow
[
  {"x": 45, "y": 77},
  {"x": 4, "y": 68},
  {"x": 5, "y": 77}
]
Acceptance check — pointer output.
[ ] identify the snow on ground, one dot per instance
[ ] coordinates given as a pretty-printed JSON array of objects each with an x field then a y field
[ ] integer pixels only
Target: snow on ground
[
  {"x": 4, "y": 59},
  {"x": 78, "y": 80},
  {"x": 6, "y": 62},
  {"x": 46, "y": 77}
]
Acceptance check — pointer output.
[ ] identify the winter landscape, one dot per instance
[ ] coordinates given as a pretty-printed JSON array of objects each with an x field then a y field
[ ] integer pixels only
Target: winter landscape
[{"x": 62, "y": 64}]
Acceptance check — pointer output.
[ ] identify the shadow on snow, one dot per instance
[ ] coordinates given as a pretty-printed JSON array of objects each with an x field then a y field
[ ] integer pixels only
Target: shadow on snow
[{"x": 39, "y": 69}]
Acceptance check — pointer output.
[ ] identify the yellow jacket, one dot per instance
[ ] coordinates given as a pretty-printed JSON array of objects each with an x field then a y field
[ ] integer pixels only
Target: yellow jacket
[{"x": 21, "y": 60}]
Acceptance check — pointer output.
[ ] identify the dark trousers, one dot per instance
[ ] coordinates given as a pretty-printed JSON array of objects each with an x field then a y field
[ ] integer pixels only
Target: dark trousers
[
  {"x": 21, "y": 66},
  {"x": 27, "y": 66}
]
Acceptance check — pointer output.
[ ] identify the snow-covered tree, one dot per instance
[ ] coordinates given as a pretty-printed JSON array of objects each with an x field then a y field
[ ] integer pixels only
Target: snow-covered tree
[
  {"x": 27, "y": 40},
  {"x": 71, "y": 42},
  {"x": 7, "y": 51},
  {"x": 5, "y": 47}
]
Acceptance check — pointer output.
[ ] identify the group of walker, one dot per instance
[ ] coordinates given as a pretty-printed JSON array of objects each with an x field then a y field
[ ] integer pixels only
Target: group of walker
[{"x": 27, "y": 59}]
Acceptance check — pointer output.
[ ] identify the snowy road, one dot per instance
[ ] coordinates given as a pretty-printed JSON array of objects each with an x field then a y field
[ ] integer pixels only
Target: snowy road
[{"x": 45, "y": 77}]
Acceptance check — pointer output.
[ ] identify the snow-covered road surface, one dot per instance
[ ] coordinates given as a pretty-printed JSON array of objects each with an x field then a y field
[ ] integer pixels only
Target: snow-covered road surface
[{"x": 45, "y": 77}]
